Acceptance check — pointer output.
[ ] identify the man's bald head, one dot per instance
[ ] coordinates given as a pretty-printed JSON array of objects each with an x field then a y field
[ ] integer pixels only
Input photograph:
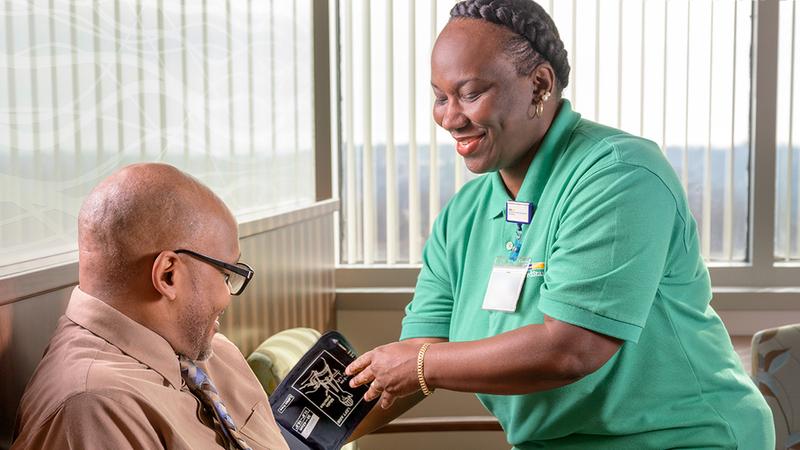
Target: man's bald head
[{"x": 133, "y": 215}]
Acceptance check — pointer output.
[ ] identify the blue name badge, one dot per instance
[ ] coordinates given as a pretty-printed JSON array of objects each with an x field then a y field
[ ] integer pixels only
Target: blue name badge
[{"x": 519, "y": 212}]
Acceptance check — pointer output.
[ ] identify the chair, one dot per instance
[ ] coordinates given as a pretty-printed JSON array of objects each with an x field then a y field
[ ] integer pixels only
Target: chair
[
  {"x": 276, "y": 356},
  {"x": 776, "y": 369}
]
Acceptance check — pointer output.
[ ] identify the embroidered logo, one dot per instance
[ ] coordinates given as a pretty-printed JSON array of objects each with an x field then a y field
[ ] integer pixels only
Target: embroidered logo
[{"x": 535, "y": 269}]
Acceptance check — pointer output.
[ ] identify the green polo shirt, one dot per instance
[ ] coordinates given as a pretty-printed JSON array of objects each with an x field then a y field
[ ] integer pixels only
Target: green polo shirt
[{"x": 618, "y": 253}]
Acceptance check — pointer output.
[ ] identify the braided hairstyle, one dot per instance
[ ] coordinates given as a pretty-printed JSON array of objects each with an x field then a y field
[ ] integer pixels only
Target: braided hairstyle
[{"x": 537, "y": 38}]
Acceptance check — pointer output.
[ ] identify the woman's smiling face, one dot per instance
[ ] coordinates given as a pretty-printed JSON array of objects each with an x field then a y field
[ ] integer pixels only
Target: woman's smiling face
[{"x": 480, "y": 98}]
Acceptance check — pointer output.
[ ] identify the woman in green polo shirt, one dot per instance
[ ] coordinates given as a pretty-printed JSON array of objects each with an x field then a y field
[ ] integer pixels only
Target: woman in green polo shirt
[{"x": 566, "y": 286}]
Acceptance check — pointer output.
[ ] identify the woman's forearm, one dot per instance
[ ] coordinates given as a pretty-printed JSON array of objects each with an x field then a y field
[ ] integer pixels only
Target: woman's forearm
[{"x": 529, "y": 359}]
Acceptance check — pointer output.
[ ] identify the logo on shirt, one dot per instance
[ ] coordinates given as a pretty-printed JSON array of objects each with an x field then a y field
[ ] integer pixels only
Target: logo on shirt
[{"x": 535, "y": 269}]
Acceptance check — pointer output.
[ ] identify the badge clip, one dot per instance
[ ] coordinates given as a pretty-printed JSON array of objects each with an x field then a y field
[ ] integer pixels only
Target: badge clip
[{"x": 519, "y": 212}]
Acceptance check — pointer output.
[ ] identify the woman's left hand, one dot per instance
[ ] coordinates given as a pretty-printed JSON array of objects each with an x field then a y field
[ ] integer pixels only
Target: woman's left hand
[{"x": 390, "y": 370}]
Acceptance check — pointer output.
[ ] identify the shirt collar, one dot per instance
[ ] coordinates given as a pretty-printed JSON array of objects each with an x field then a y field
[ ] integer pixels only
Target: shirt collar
[
  {"x": 131, "y": 337},
  {"x": 554, "y": 142}
]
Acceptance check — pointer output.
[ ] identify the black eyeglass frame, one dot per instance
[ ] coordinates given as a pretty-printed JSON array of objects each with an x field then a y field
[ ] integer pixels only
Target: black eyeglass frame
[{"x": 246, "y": 272}]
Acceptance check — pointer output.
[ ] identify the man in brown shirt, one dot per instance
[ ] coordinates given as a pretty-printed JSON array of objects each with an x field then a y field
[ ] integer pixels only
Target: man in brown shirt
[{"x": 158, "y": 256}]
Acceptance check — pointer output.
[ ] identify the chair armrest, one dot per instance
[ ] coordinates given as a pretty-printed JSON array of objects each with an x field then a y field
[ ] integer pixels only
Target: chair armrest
[{"x": 444, "y": 423}]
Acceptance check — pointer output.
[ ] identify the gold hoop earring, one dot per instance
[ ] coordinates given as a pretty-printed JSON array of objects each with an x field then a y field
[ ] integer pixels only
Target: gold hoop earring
[{"x": 539, "y": 109}]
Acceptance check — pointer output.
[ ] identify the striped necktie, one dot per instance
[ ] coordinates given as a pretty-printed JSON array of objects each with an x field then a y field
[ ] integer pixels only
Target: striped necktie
[{"x": 201, "y": 386}]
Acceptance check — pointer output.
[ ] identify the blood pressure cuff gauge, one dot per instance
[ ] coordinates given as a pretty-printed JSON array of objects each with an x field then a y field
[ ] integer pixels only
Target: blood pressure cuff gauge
[{"x": 314, "y": 406}]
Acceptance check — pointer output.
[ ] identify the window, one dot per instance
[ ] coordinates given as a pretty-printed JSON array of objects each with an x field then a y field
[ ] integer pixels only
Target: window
[
  {"x": 674, "y": 71},
  {"x": 787, "y": 190},
  {"x": 220, "y": 89}
]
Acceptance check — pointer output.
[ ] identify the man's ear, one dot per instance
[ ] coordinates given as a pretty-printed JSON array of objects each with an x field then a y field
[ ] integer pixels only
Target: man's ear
[{"x": 164, "y": 274}]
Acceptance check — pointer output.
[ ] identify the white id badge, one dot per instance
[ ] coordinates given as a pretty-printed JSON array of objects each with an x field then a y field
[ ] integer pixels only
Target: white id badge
[
  {"x": 519, "y": 212},
  {"x": 505, "y": 284}
]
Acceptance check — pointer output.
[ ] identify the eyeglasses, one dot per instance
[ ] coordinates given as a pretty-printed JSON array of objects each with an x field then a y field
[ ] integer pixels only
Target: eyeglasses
[{"x": 236, "y": 275}]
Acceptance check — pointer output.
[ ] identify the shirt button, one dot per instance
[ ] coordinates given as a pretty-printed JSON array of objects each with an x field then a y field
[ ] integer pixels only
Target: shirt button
[{"x": 509, "y": 246}]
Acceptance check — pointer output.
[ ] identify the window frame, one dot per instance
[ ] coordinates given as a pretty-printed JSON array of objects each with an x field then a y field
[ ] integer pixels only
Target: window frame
[
  {"x": 761, "y": 285},
  {"x": 761, "y": 269},
  {"x": 59, "y": 270}
]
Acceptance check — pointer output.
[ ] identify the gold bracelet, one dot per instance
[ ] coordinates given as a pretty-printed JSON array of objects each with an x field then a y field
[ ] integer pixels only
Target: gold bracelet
[{"x": 421, "y": 369}]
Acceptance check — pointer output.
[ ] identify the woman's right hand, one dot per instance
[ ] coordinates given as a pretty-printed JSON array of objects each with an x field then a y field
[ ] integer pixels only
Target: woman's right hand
[{"x": 390, "y": 370}]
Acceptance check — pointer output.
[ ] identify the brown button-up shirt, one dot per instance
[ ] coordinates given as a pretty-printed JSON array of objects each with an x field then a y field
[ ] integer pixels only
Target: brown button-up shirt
[{"x": 108, "y": 382}]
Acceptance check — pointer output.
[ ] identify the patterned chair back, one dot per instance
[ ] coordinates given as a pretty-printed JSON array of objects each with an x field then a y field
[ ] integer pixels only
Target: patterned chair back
[
  {"x": 776, "y": 369},
  {"x": 276, "y": 356}
]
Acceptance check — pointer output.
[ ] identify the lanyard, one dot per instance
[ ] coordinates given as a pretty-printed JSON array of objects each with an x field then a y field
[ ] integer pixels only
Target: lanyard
[
  {"x": 519, "y": 213},
  {"x": 513, "y": 253}
]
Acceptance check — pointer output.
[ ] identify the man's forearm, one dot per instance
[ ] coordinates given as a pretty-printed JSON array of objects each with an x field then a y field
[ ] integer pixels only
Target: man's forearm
[{"x": 379, "y": 417}]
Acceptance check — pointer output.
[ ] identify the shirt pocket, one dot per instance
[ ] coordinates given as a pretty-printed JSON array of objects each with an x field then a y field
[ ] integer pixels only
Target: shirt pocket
[{"x": 260, "y": 429}]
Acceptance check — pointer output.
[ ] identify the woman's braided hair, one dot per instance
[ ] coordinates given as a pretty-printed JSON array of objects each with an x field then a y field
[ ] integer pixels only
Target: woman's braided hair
[{"x": 537, "y": 38}]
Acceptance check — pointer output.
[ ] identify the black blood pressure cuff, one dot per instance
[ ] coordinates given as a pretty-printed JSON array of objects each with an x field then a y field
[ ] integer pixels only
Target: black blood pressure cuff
[{"x": 314, "y": 405}]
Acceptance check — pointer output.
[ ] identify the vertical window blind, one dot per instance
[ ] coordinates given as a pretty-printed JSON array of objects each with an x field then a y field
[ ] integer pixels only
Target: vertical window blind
[
  {"x": 219, "y": 88},
  {"x": 674, "y": 71}
]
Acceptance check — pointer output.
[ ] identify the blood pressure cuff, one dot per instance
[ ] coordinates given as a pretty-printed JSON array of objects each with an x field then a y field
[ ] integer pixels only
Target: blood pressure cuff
[{"x": 314, "y": 405}]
